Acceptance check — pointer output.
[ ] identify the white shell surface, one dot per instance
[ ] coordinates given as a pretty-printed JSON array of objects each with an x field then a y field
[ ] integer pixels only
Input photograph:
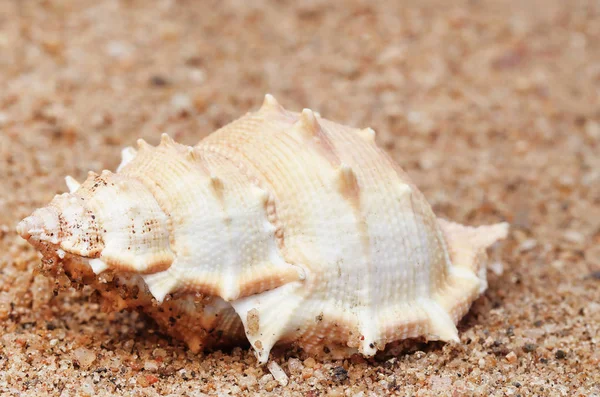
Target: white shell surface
[{"x": 303, "y": 227}]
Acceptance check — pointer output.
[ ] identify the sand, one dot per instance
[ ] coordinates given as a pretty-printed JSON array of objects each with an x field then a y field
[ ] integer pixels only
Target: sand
[{"x": 492, "y": 107}]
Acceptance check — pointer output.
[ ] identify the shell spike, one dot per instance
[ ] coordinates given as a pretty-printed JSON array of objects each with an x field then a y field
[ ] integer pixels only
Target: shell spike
[
  {"x": 347, "y": 182},
  {"x": 368, "y": 133},
  {"x": 217, "y": 184},
  {"x": 166, "y": 140},
  {"x": 441, "y": 325},
  {"x": 487, "y": 235},
  {"x": 127, "y": 154},
  {"x": 308, "y": 122},
  {"x": 191, "y": 154},
  {"x": 72, "y": 184},
  {"x": 98, "y": 265},
  {"x": 369, "y": 334},
  {"x": 267, "y": 316},
  {"x": 466, "y": 244},
  {"x": 142, "y": 144},
  {"x": 270, "y": 104},
  {"x": 161, "y": 284}
]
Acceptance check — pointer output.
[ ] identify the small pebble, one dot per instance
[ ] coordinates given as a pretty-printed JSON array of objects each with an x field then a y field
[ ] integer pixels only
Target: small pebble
[
  {"x": 592, "y": 256},
  {"x": 197, "y": 76},
  {"x": 150, "y": 365},
  {"x": 592, "y": 130},
  {"x": 159, "y": 81},
  {"x": 574, "y": 236},
  {"x": 339, "y": 374},
  {"x": 529, "y": 347},
  {"x": 307, "y": 373},
  {"x": 310, "y": 362},
  {"x": 295, "y": 366},
  {"x": 87, "y": 388},
  {"x": 159, "y": 353},
  {"x": 528, "y": 245},
  {"x": 511, "y": 357},
  {"x": 265, "y": 379},
  {"x": 595, "y": 275},
  {"x": 118, "y": 49},
  {"x": 151, "y": 379},
  {"x": 335, "y": 393},
  {"x": 247, "y": 382},
  {"x": 182, "y": 104},
  {"x": 497, "y": 268},
  {"x": 278, "y": 373},
  {"x": 560, "y": 354},
  {"x": 270, "y": 386},
  {"x": 84, "y": 357},
  {"x": 100, "y": 120}
]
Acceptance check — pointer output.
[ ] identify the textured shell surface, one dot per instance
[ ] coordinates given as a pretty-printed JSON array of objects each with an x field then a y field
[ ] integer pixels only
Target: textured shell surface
[{"x": 280, "y": 227}]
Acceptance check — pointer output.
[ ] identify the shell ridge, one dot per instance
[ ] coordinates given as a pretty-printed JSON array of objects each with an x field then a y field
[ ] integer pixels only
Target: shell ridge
[
  {"x": 308, "y": 130},
  {"x": 272, "y": 201},
  {"x": 142, "y": 177},
  {"x": 268, "y": 270},
  {"x": 349, "y": 188},
  {"x": 424, "y": 279}
]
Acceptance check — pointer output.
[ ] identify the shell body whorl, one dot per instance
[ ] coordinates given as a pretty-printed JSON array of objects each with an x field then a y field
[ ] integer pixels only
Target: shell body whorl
[{"x": 291, "y": 226}]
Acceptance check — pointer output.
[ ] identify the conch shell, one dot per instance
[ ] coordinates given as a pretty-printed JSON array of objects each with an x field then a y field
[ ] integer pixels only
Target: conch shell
[{"x": 279, "y": 227}]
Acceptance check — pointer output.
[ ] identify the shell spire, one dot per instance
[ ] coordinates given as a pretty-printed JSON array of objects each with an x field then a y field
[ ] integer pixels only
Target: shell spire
[{"x": 278, "y": 228}]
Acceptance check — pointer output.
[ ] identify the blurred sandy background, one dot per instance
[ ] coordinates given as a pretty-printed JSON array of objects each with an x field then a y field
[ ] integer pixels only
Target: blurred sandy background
[{"x": 493, "y": 107}]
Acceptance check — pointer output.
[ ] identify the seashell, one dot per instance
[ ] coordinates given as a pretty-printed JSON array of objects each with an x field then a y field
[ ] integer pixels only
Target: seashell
[{"x": 280, "y": 227}]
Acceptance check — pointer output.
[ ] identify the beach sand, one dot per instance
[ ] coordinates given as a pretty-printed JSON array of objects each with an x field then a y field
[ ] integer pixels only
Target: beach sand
[{"x": 492, "y": 107}]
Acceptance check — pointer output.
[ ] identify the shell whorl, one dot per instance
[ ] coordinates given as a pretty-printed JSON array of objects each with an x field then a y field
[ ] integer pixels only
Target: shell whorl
[
  {"x": 221, "y": 224},
  {"x": 302, "y": 227}
]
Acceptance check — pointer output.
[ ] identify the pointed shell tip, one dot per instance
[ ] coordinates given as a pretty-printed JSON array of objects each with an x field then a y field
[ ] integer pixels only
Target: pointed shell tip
[
  {"x": 72, "y": 183},
  {"x": 309, "y": 121},
  {"x": 142, "y": 143},
  {"x": 270, "y": 103},
  {"x": 165, "y": 139}
]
